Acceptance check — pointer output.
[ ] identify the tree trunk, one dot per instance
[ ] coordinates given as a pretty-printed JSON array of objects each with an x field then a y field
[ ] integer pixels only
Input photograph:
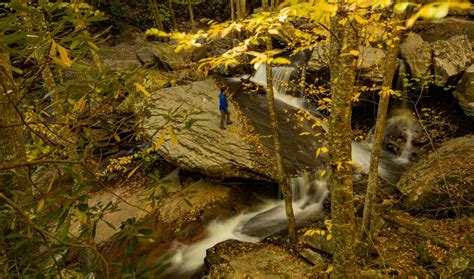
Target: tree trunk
[
  {"x": 173, "y": 19},
  {"x": 390, "y": 68},
  {"x": 342, "y": 71},
  {"x": 191, "y": 16},
  {"x": 282, "y": 179},
  {"x": 232, "y": 10},
  {"x": 243, "y": 8},
  {"x": 156, "y": 15},
  {"x": 265, "y": 5},
  {"x": 237, "y": 9},
  {"x": 12, "y": 143}
]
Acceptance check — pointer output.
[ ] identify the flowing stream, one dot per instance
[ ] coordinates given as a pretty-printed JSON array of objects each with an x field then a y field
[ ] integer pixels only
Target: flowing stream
[{"x": 308, "y": 188}]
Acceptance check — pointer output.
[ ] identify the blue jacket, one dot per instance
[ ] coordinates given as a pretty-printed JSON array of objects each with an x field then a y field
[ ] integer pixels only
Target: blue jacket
[{"x": 222, "y": 102}]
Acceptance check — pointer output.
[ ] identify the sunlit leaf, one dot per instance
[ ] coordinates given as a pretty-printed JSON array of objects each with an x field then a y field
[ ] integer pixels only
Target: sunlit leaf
[
  {"x": 142, "y": 89},
  {"x": 173, "y": 138},
  {"x": 160, "y": 140}
]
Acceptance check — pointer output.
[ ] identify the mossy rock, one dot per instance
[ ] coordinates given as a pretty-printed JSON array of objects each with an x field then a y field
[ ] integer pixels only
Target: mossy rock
[{"x": 443, "y": 181}]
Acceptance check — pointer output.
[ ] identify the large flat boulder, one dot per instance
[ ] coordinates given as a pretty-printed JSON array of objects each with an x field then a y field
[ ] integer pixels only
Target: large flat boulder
[
  {"x": 465, "y": 92},
  {"x": 192, "y": 113},
  {"x": 443, "y": 181}
]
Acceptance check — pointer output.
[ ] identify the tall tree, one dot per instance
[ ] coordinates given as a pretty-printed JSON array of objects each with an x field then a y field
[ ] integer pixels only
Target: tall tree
[
  {"x": 282, "y": 177},
  {"x": 342, "y": 66},
  {"x": 390, "y": 67}
]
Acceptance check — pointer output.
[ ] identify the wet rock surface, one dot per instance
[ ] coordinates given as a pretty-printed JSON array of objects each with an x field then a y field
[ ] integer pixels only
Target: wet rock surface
[{"x": 443, "y": 181}]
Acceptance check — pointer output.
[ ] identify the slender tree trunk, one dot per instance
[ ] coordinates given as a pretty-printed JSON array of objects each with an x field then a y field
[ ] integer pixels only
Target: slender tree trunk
[
  {"x": 191, "y": 15},
  {"x": 237, "y": 9},
  {"x": 282, "y": 178},
  {"x": 265, "y": 5},
  {"x": 342, "y": 71},
  {"x": 173, "y": 19},
  {"x": 232, "y": 10},
  {"x": 156, "y": 15},
  {"x": 243, "y": 8},
  {"x": 390, "y": 68},
  {"x": 12, "y": 143}
]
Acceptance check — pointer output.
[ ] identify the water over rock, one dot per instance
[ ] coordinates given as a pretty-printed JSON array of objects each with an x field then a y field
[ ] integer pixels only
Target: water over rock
[
  {"x": 235, "y": 259},
  {"x": 443, "y": 181},
  {"x": 465, "y": 92},
  {"x": 193, "y": 113}
]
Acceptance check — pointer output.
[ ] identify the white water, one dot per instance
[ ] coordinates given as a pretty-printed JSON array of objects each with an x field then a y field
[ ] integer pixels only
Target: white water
[
  {"x": 252, "y": 226},
  {"x": 281, "y": 76}
]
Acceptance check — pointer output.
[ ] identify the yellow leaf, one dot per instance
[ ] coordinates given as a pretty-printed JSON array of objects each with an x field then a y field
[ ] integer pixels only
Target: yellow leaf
[
  {"x": 329, "y": 269},
  {"x": 360, "y": 20},
  {"x": 324, "y": 149},
  {"x": 322, "y": 173},
  {"x": 50, "y": 186},
  {"x": 160, "y": 140},
  {"x": 173, "y": 138},
  {"x": 117, "y": 137},
  {"x": 304, "y": 133},
  {"x": 142, "y": 89},
  {"x": 328, "y": 100},
  {"x": 64, "y": 56},
  {"x": 134, "y": 170},
  {"x": 273, "y": 31},
  {"x": 281, "y": 60},
  {"x": 52, "y": 49},
  {"x": 339, "y": 165},
  {"x": 329, "y": 237},
  {"x": 93, "y": 46},
  {"x": 81, "y": 215},
  {"x": 40, "y": 204},
  {"x": 354, "y": 52}
]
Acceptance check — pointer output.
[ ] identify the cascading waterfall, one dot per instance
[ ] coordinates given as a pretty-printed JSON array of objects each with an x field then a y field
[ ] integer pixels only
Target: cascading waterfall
[
  {"x": 309, "y": 191},
  {"x": 281, "y": 76}
]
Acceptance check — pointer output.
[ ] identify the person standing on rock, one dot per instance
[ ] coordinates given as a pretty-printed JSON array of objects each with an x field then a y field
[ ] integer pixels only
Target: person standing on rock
[{"x": 223, "y": 107}]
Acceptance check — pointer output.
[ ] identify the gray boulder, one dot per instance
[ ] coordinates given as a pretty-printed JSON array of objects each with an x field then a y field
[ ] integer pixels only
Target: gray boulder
[
  {"x": 465, "y": 92},
  {"x": 189, "y": 116},
  {"x": 442, "y": 180},
  {"x": 417, "y": 54},
  {"x": 371, "y": 61},
  {"x": 161, "y": 54},
  {"x": 451, "y": 56},
  {"x": 235, "y": 259}
]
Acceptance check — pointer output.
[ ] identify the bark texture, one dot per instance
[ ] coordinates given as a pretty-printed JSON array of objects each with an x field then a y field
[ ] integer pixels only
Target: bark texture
[
  {"x": 390, "y": 68},
  {"x": 342, "y": 69},
  {"x": 282, "y": 178},
  {"x": 12, "y": 145}
]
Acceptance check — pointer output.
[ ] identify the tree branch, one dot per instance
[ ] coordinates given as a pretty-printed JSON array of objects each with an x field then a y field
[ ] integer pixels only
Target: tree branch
[{"x": 14, "y": 165}]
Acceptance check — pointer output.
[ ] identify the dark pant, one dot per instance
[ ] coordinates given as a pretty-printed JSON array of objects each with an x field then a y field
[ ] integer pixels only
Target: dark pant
[{"x": 225, "y": 115}]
